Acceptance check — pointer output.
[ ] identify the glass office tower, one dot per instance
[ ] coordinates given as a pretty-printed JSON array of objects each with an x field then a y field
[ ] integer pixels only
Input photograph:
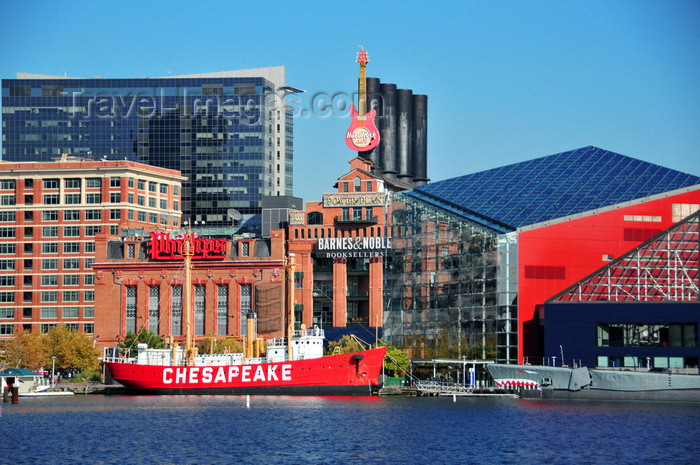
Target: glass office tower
[{"x": 229, "y": 133}]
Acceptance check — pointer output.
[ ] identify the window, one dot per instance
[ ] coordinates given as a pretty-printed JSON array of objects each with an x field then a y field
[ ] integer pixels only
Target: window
[
  {"x": 89, "y": 312},
  {"x": 142, "y": 184},
  {"x": 51, "y": 199},
  {"x": 71, "y": 231},
  {"x": 51, "y": 183},
  {"x": 70, "y": 296},
  {"x": 93, "y": 198},
  {"x": 49, "y": 231},
  {"x": 115, "y": 214},
  {"x": 7, "y": 217},
  {"x": 89, "y": 328},
  {"x": 245, "y": 306},
  {"x": 646, "y": 334},
  {"x": 7, "y": 264},
  {"x": 49, "y": 215},
  {"x": 115, "y": 197},
  {"x": 6, "y": 249},
  {"x": 49, "y": 247},
  {"x": 49, "y": 296},
  {"x": 69, "y": 247},
  {"x": 357, "y": 184},
  {"x": 346, "y": 214},
  {"x": 49, "y": 280},
  {"x": 163, "y": 188},
  {"x": 89, "y": 279},
  {"x": 7, "y": 232},
  {"x": 368, "y": 186},
  {"x": 153, "y": 308},
  {"x": 93, "y": 215},
  {"x": 142, "y": 200},
  {"x": 357, "y": 214},
  {"x": 115, "y": 182},
  {"x": 7, "y": 184},
  {"x": 89, "y": 247},
  {"x": 222, "y": 310},
  {"x": 71, "y": 279},
  {"x": 92, "y": 183},
  {"x": 73, "y": 199},
  {"x": 7, "y": 199},
  {"x": 49, "y": 312},
  {"x": 7, "y": 297},
  {"x": 89, "y": 296},
  {"x": 72, "y": 183},
  {"x": 199, "y": 302},
  {"x": 71, "y": 263},
  {"x": 7, "y": 281},
  {"x": 245, "y": 249},
  {"x": 176, "y": 328},
  {"x": 71, "y": 215},
  {"x": 92, "y": 230},
  {"x": 49, "y": 263},
  {"x": 70, "y": 312}
]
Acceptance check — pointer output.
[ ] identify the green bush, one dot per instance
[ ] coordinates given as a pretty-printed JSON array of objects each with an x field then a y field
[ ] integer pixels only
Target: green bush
[{"x": 88, "y": 375}]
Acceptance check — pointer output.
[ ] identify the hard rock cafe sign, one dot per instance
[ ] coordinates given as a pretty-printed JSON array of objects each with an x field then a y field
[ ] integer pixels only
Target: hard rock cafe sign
[{"x": 165, "y": 247}]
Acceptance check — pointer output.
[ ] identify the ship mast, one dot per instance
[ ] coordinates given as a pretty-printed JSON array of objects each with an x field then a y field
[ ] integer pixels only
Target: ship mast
[
  {"x": 190, "y": 350},
  {"x": 291, "y": 284}
]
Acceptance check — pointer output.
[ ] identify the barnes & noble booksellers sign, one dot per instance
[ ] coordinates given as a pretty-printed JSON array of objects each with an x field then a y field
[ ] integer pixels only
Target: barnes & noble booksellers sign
[{"x": 352, "y": 247}]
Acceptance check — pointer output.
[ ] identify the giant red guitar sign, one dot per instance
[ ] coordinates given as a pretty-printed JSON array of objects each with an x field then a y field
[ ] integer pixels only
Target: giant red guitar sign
[{"x": 362, "y": 135}]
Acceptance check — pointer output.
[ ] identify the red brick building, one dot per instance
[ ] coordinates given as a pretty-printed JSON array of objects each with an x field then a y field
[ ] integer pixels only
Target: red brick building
[
  {"x": 50, "y": 216},
  {"x": 139, "y": 280},
  {"x": 339, "y": 246}
]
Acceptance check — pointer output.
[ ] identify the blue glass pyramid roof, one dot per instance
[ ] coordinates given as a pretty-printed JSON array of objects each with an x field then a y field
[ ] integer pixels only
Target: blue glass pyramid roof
[{"x": 551, "y": 187}]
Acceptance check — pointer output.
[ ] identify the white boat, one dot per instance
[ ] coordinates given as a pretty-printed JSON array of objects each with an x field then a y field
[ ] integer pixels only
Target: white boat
[{"x": 29, "y": 383}]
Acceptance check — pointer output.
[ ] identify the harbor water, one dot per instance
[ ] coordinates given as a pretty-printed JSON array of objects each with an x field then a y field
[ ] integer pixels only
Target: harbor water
[{"x": 174, "y": 430}]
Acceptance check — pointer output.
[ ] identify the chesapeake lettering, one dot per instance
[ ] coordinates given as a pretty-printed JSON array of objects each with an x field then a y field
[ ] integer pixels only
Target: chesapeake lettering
[{"x": 227, "y": 374}]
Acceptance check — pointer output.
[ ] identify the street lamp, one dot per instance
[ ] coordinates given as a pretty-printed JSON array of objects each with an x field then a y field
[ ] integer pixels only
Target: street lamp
[{"x": 53, "y": 369}]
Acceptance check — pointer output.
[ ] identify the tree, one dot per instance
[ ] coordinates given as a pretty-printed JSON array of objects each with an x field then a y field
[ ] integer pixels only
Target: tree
[
  {"x": 153, "y": 340},
  {"x": 345, "y": 345},
  {"x": 73, "y": 350},
  {"x": 396, "y": 361},
  {"x": 26, "y": 350}
]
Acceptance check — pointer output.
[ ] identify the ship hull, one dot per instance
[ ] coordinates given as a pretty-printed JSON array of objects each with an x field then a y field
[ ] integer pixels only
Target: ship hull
[
  {"x": 344, "y": 374},
  {"x": 582, "y": 383}
]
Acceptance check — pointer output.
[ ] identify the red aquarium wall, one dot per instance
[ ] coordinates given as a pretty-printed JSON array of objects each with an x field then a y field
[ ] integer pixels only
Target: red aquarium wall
[{"x": 551, "y": 258}]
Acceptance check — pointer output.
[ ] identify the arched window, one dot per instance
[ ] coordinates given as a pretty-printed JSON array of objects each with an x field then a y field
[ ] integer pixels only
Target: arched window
[
  {"x": 315, "y": 218},
  {"x": 358, "y": 184}
]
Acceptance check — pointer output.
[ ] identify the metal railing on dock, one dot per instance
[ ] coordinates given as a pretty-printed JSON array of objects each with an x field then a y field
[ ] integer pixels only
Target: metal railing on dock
[{"x": 442, "y": 388}]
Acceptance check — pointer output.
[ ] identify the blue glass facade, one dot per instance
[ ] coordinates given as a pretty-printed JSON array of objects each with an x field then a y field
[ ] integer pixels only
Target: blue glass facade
[{"x": 224, "y": 134}]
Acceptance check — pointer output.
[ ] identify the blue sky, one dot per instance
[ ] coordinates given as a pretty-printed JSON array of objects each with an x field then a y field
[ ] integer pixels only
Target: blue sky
[{"x": 506, "y": 81}]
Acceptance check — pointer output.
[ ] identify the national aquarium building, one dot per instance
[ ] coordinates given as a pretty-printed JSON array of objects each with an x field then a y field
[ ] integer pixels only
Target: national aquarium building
[{"x": 475, "y": 257}]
